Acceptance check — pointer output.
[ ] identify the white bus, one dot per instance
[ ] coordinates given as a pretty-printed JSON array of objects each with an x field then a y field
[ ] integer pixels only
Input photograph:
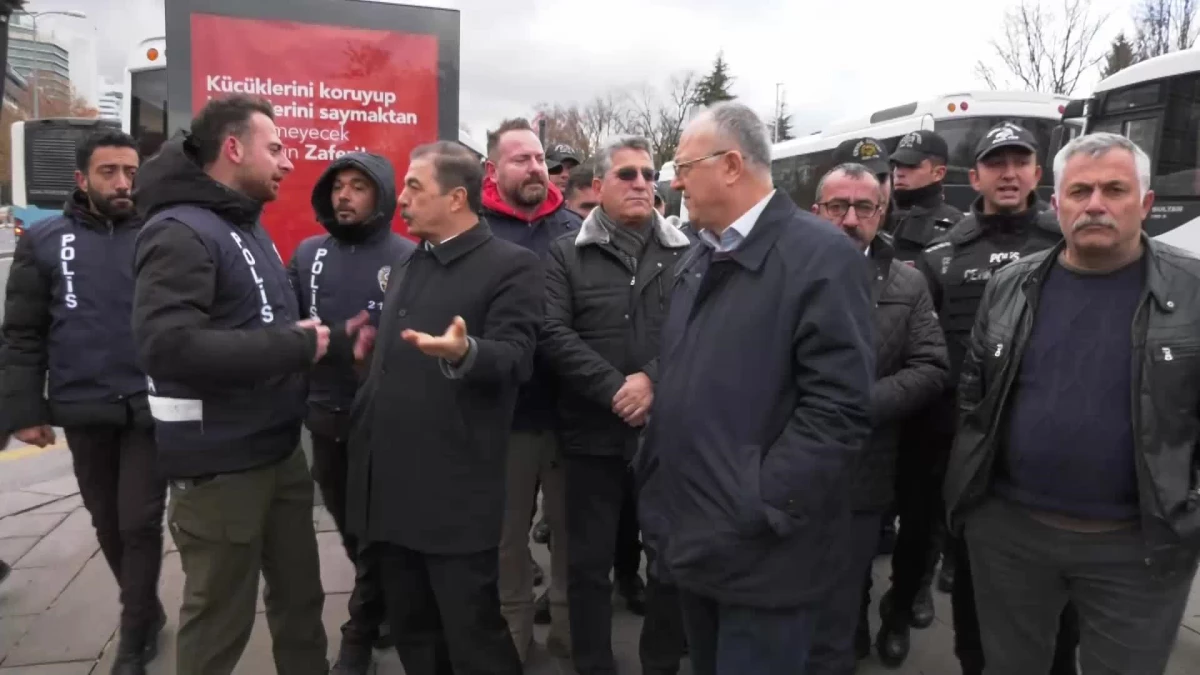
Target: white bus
[
  {"x": 144, "y": 111},
  {"x": 961, "y": 119},
  {"x": 1156, "y": 104},
  {"x": 42, "y": 154}
]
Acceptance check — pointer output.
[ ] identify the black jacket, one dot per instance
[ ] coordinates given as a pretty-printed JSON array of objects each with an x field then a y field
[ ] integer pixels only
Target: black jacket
[
  {"x": 919, "y": 218},
  {"x": 67, "y": 314},
  {"x": 603, "y": 321},
  {"x": 340, "y": 274},
  {"x": 760, "y": 411},
  {"x": 427, "y": 449},
  {"x": 536, "y": 231},
  {"x": 189, "y": 334},
  {"x": 1166, "y": 396},
  {"x": 911, "y": 370}
]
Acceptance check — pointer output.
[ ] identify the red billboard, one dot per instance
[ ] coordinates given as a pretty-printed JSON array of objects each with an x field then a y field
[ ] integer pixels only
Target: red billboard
[{"x": 335, "y": 90}]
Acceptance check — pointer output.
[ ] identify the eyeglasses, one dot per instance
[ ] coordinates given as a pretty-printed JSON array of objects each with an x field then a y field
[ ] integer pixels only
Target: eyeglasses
[
  {"x": 680, "y": 167},
  {"x": 630, "y": 173},
  {"x": 556, "y": 170},
  {"x": 838, "y": 208}
]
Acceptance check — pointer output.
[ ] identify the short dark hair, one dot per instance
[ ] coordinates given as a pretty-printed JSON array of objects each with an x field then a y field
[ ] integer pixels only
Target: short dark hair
[
  {"x": 514, "y": 124},
  {"x": 454, "y": 167},
  {"x": 223, "y": 117},
  {"x": 580, "y": 178},
  {"x": 105, "y": 138}
]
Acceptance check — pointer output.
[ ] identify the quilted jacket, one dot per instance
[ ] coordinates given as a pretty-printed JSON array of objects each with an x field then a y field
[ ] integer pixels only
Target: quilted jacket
[{"x": 911, "y": 369}]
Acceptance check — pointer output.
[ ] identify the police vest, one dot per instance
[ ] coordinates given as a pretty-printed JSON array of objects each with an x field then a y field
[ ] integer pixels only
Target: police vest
[
  {"x": 90, "y": 347},
  {"x": 918, "y": 227},
  {"x": 335, "y": 281},
  {"x": 225, "y": 429}
]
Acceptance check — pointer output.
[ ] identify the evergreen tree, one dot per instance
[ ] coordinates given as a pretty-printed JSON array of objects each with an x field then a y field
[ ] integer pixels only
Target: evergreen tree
[
  {"x": 714, "y": 88},
  {"x": 1120, "y": 56},
  {"x": 783, "y": 124}
]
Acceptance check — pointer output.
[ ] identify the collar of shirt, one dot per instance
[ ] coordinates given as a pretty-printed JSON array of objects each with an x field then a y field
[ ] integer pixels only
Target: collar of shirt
[
  {"x": 429, "y": 245},
  {"x": 736, "y": 233}
]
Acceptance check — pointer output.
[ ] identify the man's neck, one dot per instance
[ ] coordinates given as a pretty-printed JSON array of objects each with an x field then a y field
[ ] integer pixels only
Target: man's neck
[
  {"x": 741, "y": 204},
  {"x": 223, "y": 176},
  {"x": 455, "y": 229},
  {"x": 1101, "y": 262}
]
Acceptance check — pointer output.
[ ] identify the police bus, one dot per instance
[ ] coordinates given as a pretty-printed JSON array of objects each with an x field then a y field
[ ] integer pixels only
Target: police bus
[
  {"x": 43, "y": 165},
  {"x": 961, "y": 119},
  {"x": 1156, "y": 104}
]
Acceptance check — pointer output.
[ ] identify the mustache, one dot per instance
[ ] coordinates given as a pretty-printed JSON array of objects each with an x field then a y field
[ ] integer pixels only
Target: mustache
[{"x": 1092, "y": 221}]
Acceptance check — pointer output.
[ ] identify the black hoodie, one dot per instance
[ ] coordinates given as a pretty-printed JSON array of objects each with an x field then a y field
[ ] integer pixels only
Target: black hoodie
[
  {"x": 182, "y": 300},
  {"x": 337, "y": 275},
  {"x": 67, "y": 320}
]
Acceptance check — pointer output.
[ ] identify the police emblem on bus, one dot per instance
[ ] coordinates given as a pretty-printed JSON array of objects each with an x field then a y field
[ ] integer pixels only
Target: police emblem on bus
[{"x": 382, "y": 276}]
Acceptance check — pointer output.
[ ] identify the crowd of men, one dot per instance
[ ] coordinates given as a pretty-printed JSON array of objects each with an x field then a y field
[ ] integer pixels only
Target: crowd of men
[{"x": 753, "y": 397}]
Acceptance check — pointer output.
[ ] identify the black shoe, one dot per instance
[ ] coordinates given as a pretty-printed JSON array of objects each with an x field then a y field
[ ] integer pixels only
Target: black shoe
[
  {"x": 892, "y": 644},
  {"x": 945, "y": 582},
  {"x": 541, "y": 532},
  {"x": 922, "y": 609},
  {"x": 541, "y": 609},
  {"x": 150, "y": 649},
  {"x": 131, "y": 655},
  {"x": 353, "y": 659},
  {"x": 633, "y": 589}
]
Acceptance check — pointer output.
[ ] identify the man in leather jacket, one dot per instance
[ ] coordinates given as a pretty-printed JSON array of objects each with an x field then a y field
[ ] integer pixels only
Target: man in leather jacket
[{"x": 1073, "y": 474}]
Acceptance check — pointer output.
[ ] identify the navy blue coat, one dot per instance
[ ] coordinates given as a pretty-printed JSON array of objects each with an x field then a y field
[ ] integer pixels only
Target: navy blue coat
[{"x": 760, "y": 410}]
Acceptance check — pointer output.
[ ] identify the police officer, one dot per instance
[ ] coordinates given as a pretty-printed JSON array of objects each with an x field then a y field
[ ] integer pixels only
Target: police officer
[
  {"x": 1006, "y": 222},
  {"x": 68, "y": 305},
  {"x": 218, "y": 330},
  {"x": 868, "y": 152},
  {"x": 920, "y": 214},
  {"x": 560, "y": 160},
  {"x": 337, "y": 276}
]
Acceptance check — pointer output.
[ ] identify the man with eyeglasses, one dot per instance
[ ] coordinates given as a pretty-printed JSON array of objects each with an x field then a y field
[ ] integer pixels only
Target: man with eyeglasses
[
  {"x": 521, "y": 205},
  {"x": 1006, "y": 223},
  {"x": 910, "y": 369},
  {"x": 560, "y": 160}
]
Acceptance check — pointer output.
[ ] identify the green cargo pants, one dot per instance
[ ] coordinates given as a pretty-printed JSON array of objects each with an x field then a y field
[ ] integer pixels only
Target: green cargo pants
[{"x": 229, "y": 529}]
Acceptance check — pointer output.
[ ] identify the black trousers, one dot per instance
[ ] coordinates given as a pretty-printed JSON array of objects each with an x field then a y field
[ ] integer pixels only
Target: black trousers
[
  {"x": 628, "y": 558},
  {"x": 444, "y": 612},
  {"x": 122, "y": 489},
  {"x": 663, "y": 640},
  {"x": 367, "y": 610}
]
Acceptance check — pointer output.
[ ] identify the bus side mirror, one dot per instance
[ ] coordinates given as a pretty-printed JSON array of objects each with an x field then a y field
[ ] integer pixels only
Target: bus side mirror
[
  {"x": 1056, "y": 140},
  {"x": 1075, "y": 108}
]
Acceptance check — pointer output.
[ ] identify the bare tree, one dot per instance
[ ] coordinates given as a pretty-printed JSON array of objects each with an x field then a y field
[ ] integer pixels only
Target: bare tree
[
  {"x": 605, "y": 116},
  {"x": 1164, "y": 26},
  {"x": 661, "y": 115},
  {"x": 1044, "y": 50},
  {"x": 565, "y": 124}
]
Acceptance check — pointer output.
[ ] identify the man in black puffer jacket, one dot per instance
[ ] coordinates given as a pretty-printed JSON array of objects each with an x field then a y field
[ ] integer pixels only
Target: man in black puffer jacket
[
  {"x": 67, "y": 319},
  {"x": 910, "y": 368}
]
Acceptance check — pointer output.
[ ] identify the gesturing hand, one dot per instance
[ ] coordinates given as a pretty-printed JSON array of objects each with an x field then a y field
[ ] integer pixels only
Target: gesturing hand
[
  {"x": 633, "y": 399},
  {"x": 451, "y": 345},
  {"x": 322, "y": 336},
  {"x": 363, "y": 334}
]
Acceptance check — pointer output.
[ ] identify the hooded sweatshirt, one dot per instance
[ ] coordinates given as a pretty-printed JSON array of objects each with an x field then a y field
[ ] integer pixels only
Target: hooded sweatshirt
[
  {"x": 340, "y": 274},
  {"x": 536, "y": 399}
]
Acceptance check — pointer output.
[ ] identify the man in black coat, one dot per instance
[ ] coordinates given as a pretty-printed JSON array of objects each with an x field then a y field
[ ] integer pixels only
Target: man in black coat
[
  {"x": 342, "y": 276},
  {"x": 911, "y": 368},
  {"x": 68, "y": 306},
  {"x": 607, "y": 290},
  {"x": 761, "y": 406},
  {"x": 429, "y": 432}
]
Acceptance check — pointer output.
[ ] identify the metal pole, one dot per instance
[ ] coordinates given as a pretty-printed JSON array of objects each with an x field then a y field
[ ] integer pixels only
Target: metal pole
[
  {"x": 34, "y": 71},
  {"x": 775, "y": 122}
]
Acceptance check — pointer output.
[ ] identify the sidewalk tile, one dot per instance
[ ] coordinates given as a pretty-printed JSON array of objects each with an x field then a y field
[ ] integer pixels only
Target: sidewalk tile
[
  {"x": 78, "y": 624},
  {"x": 71, "y": 543},
  {"x": 59, "y": 487},
  {"x": 30, "y": 525},
  {"x": 16, "y": 502},
  {"x": 12, "y": 629},
  {"x": 77, "y": 668},
  {"x": 32, "y": 591},
  {"x": 13, "y": 548},
  {"x": 63, "y": 505}
]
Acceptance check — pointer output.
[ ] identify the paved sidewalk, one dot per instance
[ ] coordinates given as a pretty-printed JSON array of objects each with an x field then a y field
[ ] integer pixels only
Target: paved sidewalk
[{"x": 59, "y": 608}]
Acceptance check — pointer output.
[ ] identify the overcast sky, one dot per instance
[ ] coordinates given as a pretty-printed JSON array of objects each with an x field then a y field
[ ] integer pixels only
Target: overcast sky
[{"x": 835, "y": 58}]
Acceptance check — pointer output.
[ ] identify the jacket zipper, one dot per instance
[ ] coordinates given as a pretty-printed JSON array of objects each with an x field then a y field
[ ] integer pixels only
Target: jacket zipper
[{"x": 1135, "y": 363}]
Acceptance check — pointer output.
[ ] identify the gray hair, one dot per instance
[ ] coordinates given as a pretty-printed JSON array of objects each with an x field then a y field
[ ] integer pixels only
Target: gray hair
[
  {"x": 851, "y": 170},
  {"x": 743, "y": 127},
  {"x": 605, "y": 155},
  {"x": 1097, "y": 144}
]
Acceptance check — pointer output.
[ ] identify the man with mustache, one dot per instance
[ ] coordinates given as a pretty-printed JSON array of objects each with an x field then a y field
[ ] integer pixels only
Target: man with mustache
[
  {"x": 1006, "y": 224},
  {"x": 1073, "y": 473},
  {"x": 342, "y": 276},
  {"x": 67, "y": 316},
  {"x": 522, "y": 206}
]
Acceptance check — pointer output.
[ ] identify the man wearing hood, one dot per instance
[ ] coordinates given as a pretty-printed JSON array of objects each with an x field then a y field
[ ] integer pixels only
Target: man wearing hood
[
  {"x": 219, "y": 332},
  {"x": 336, "y": 277},
  {"x": 1006, "y": 223},
  {"x": 522, "y": 206},
  {"x": 67, "y": 316}
]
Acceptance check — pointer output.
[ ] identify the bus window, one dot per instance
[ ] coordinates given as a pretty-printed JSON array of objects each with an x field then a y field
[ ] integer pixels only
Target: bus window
[
  {"x": 1175, "y": 171},
  {"x": 798, "y": 176},
  {"x": 962, "y": 135},
  {"x": 1143, "y": 132},
  {"x": 148, "y": 109}
]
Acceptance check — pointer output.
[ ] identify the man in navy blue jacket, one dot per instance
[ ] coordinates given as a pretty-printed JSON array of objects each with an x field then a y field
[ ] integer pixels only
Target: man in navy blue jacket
[{"x": 760, "y": 409}]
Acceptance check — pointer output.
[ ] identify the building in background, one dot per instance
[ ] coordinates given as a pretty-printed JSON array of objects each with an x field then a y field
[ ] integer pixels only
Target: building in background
[
  {"x": 111, "y": 99},
  {"x": 16, "y": 90},
  {"x": 26, "y": 54}
]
